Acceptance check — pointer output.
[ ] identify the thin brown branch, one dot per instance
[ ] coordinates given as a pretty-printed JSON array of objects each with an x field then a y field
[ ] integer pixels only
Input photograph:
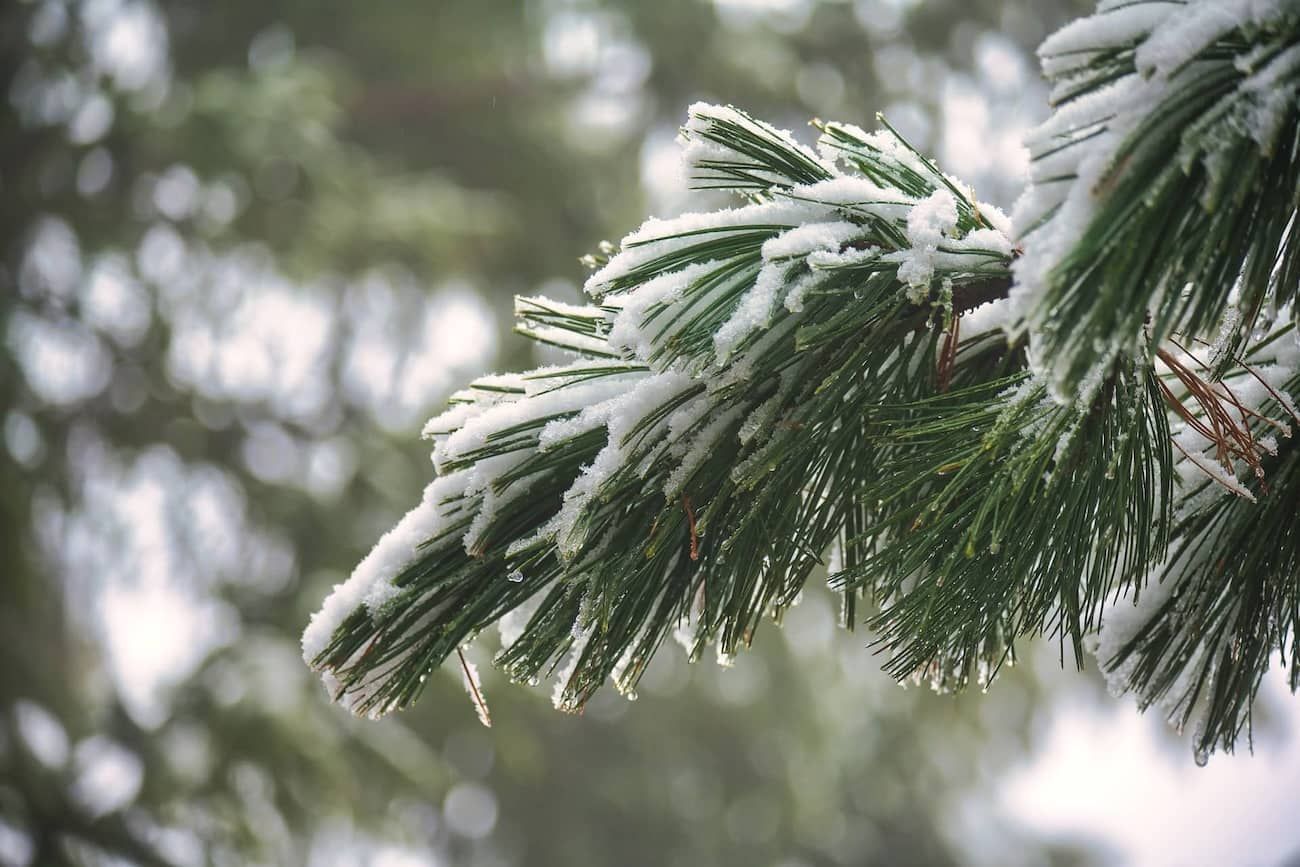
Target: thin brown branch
[
  {"x": 690, "y": 521},
  {"x": 472, "y": 684},
  {"x": 1213, "y": 418},
  {"x": 948, "y": 353}
]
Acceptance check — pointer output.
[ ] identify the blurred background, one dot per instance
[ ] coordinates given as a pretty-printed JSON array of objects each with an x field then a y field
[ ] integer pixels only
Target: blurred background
[{"x": 248, "y": 247}]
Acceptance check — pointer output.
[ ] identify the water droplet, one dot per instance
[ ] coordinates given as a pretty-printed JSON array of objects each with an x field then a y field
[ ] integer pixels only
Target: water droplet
[
  {"x": 1201, "y": 756},
  {"x": 515, "y": 577},
  {"x": 630, "y": 695}
]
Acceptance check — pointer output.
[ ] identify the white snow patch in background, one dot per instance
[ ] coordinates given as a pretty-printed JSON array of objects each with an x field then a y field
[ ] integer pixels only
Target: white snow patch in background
[
  {"x": 109, "y": 776},
  {"x": 992, "y": 316},
  {"x": 155, "y": 637},
  {"x": 1104, "y": 772},
  {"x": 146, "y": 542},
  {"x": 42, "y": 734}
]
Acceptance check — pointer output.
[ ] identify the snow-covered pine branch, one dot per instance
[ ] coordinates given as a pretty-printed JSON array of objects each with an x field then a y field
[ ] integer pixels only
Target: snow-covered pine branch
[
  {"x": 844, "y": 363},
  {"x": 723, "y": 381},
  {"x": 1165, "y": 184},
  {"x": 1197, "y": 638},
  {"x": 1161, "y": 223}
]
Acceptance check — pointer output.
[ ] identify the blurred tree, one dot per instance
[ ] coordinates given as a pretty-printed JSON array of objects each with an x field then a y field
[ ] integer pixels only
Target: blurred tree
[{"x": 246, "y": 248}]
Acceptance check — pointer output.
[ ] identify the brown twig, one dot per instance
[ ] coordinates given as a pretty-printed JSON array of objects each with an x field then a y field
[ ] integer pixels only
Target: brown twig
[
  {"x": 479, "y": 703},
  {"x": 1286, "y": 405},
  {"x": 948, "y": 353},
  {"x": 1215, "y": 421},
  {"x": 690, "y": 522}
]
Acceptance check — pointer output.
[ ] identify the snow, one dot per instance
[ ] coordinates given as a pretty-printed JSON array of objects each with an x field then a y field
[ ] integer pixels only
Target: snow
[
  {"x": 553, "y": 322},
  {"x": 1177, "y": 39},
  {"x": 482, "y": 393},
  {"x": 570, "y": 397},
  {"x": 801, "y": 286},
  {"x": 1070, "y": 205},
  {"x": 1121, "y": 623},
  {"x": 513, "y": 624},
  {"x": 857, "y": 195},
  {"x": 881, "y": 143},
  {"x": 629, "y": 331},
  {"x": 1073, "y": 46},
  {"x": 702, "y": 446},
  {"x": 1265, "y": 389},
  {"x": 596, "y": 413},
  {"x": 657, "y": 237},
  {"x": 371, "y": 583},
  {"x": 1271, "y": 97},
  {"x": 371, "y": 580},
  {"x": 581, "y": 635},
  {"x": 780, "y": 277},
  {"x": 622, "y": 415},
  {"x": 532, "y": 304},
  {"x": 992, "y": 316},
  {"x": 564, "y": 338},
  {"x": 357, "y": 695},
  {"x": 687, "y": 418},
  {"x": 928, "y": 225},
  {"x": 799, "y": 242},
  {"x": 997, "y": 220},
  {"x": 825, "y": 260},
  {"x": 755, "y": 309},
  {"x": 811, "y": 226},
  {"x": 1182, "y": 37},
  {"x": 1191, "y": 452},
  {"x": 934, "y": 248},
  {"x": 700, "y": 147},
  {"x": 1125, "y": 619},
  {"x": 1259, "y": 390}
]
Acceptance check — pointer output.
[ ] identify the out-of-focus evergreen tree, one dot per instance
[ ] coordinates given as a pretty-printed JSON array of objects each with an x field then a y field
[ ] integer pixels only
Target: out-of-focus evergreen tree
[{"x": 244, "y": 245}]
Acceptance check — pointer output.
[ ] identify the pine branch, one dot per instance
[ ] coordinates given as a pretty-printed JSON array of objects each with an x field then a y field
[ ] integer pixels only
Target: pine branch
[
  {"x": 1165, "y": 184},
  {"x": 826, "y": 367},
  {"x": 724, "y": 389},
  {"x": 1006, "y": 514},
  {"x": 1227, "y": 598}
]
